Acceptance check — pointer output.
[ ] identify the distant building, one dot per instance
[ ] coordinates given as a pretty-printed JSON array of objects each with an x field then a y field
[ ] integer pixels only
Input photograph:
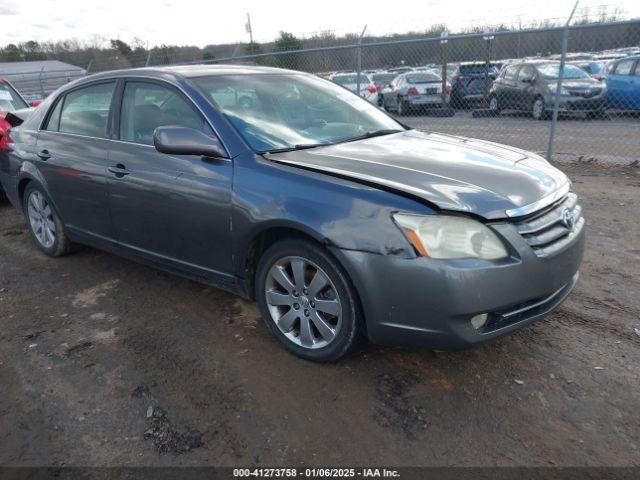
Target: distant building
[{"x": 36, "y": 80}]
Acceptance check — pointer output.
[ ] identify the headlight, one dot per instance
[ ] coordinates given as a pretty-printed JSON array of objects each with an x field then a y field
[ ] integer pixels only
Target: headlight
[{"x": 447, "y": 236}]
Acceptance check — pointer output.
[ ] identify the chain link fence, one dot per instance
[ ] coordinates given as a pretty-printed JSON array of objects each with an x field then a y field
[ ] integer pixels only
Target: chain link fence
[{"x": 566, "y": 92}]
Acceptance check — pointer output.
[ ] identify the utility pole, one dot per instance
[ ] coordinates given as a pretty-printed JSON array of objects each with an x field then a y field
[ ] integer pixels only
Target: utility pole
[{"x": 249, "y": 30}]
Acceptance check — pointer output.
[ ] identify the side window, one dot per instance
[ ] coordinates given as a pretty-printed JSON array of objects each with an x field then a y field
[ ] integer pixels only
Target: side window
[
  {"x": 53, "y": 124},
  {"x": 624, "y": 67},
  {"x": 637, "y": 73},
  {"x": 146, "y": 106},
  {"x": 86, "y": 111},
  {"x": 510, "y": 72},
  {"x": 526, "y": 72}
]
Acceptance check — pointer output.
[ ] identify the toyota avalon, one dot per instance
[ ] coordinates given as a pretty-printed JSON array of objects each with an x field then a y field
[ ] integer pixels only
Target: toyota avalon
[{"x": 342, "y": 223}]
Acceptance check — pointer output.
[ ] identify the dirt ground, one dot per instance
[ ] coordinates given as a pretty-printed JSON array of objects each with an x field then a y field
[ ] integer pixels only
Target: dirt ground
[{"x": 107, "y": 362}]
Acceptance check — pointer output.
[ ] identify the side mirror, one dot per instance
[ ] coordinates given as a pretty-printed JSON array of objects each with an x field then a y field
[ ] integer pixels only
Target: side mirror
[
  {"x": 186, "y": 141},
  {"x": 36, "y": 103}
]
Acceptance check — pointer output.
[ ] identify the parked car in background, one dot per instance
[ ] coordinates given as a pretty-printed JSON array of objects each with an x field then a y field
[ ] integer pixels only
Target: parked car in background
[
  {"x": 399, "y": 70},
  {"x": 623, "y": 84},
  {"x": 342, "y": 223},
  {"x": 597, "y": 69},
  {"x": 412, "y": 90},
  {"x": 368, "y": 90},
  {"x": 468, "y": 85},
  {"x": 10, "y": 101},
  {"x": 382, "y": 80},
  {"x": 531, "y": 87}
]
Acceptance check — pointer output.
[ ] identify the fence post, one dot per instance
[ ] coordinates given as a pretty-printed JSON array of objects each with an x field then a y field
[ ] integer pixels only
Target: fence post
[
  {"x": 40, "y": 81},
  {"x": 443, "y": 46},
  {"x": 146, "y": 64},
  {"x": 556, "y": 101},
  {"x": 359, "y": 59}
]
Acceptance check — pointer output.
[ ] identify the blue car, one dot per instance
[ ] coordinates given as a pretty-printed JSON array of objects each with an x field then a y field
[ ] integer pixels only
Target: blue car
[
  {"x": 468, "y": 85},
  {"x": 623, "y": 84}
]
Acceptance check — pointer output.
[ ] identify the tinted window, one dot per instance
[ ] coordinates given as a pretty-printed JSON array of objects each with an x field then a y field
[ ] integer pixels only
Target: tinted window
[
  {"x": 510, "y": 72},
  {"x": 550, "y": 71},
  {"x": 54, "y": 119},
  {"x": 383, "y": 77},
  {"x": 146, "y": 106},
  {"x": 85, "y": 111},
  {"x": 624, "y": 67},
  {"x": 526, "y": 72},
  {"x": 9, "y": 99},
  {"x": 348, "y": 79},
  {"x": 422, "y": 78}
]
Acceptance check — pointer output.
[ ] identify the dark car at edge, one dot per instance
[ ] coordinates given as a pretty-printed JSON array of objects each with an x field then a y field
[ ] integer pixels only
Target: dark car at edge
[
  {"x": 279, "y": 186},
  {"x": 531, "y": 87}
]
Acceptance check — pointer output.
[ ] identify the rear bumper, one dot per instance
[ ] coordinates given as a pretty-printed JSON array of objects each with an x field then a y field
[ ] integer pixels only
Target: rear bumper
[{"x": 429, "y": 302}]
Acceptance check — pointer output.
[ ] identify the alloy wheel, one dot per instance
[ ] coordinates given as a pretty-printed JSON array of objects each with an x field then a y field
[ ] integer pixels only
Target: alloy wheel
[
  {"x": 538, "y": 109},
  {"x": 303, "y": 302},
  {"x": 41, "y": 219}
]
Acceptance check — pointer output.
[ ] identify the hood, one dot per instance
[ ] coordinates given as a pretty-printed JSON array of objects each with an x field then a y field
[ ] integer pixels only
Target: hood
[{"x": 452, "y": 173}]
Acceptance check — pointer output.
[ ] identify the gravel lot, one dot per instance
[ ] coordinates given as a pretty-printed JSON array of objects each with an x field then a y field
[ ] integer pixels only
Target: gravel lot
[{"x": 107, "y": 362}]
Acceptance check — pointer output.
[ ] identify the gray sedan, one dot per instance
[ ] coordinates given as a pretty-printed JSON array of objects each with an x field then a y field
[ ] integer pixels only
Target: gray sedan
[{"x": 412, "y": 90}]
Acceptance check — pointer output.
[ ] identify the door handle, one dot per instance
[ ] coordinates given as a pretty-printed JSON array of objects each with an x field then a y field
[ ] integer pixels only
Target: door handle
[
  {"x": 44, "y": 155},
  {"x": 119, "y": 170}
]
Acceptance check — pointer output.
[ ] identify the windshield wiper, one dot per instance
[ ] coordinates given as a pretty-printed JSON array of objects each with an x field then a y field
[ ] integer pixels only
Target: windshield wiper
[
  {"x": 300, "y": 146},
  {"x": 370, "y": 134}
]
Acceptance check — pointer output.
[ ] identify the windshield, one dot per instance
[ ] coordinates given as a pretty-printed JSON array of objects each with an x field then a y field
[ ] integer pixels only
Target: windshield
[
  {"x": 384, "y": 77},
  {"x": 279, "y": 111},
  {"x": 551, "y": 71},
  {"x": 423, "y": 78},
  {"x": 9, "y": 99}
]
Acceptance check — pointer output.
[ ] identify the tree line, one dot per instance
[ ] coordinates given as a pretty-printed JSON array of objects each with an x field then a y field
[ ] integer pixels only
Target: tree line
[{"x": 96, "y": 55}]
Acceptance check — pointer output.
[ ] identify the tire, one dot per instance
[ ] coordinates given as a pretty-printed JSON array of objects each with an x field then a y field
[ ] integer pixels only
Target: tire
[
  {"x": 598, "y": 115},
  {"x": 494, "y": 104},
  {"x": 39, "y": 212},
  {"x": 295, "y": 317},
  {"x": 403, "y": 107},
  {"x": 537, "y": 109}
]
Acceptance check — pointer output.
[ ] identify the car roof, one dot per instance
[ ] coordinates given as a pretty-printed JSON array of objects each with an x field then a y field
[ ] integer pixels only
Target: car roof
[{"x": 185, "y": 71}]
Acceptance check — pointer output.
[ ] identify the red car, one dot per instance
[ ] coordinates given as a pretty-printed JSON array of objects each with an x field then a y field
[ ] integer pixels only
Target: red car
[{"x": 10, "y": 101}]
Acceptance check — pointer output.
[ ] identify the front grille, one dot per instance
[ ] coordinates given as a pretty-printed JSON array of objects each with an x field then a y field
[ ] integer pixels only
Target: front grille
[{"x": 551, "y": 229}]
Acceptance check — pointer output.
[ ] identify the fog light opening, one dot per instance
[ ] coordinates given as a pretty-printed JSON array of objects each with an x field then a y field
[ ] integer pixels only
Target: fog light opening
[{"x": 479, "y": 321}]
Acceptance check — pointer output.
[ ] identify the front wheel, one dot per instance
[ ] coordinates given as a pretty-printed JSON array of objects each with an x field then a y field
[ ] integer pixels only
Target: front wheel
[
  {"x": 494, "y": 105},
  {"x": 538, "y": 109},
  {"x": 307, "y": 301}
]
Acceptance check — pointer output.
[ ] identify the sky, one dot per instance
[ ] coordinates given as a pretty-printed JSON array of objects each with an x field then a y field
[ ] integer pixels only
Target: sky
[{"x": 197, "y": 22}]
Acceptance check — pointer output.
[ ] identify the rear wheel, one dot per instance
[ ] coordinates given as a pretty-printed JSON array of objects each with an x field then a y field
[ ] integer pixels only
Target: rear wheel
[
  {"x": 44, "y": 224},
  {"x": 307, "y": 301},
  {"x": 538, "y": 109},
  {"x": 403, "y": 107}
]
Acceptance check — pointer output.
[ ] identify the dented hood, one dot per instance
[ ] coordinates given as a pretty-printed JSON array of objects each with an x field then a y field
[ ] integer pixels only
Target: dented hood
[{"x": 453, "y": 173}]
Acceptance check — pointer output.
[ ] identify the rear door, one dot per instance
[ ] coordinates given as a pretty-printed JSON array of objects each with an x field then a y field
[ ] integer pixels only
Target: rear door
[
  {"x": 175, "y": 209},
  {"x": 73, "y": 157}
]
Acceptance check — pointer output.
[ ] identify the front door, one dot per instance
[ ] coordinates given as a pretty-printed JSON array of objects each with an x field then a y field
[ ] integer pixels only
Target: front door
[{"x": 173, "y": 208}]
